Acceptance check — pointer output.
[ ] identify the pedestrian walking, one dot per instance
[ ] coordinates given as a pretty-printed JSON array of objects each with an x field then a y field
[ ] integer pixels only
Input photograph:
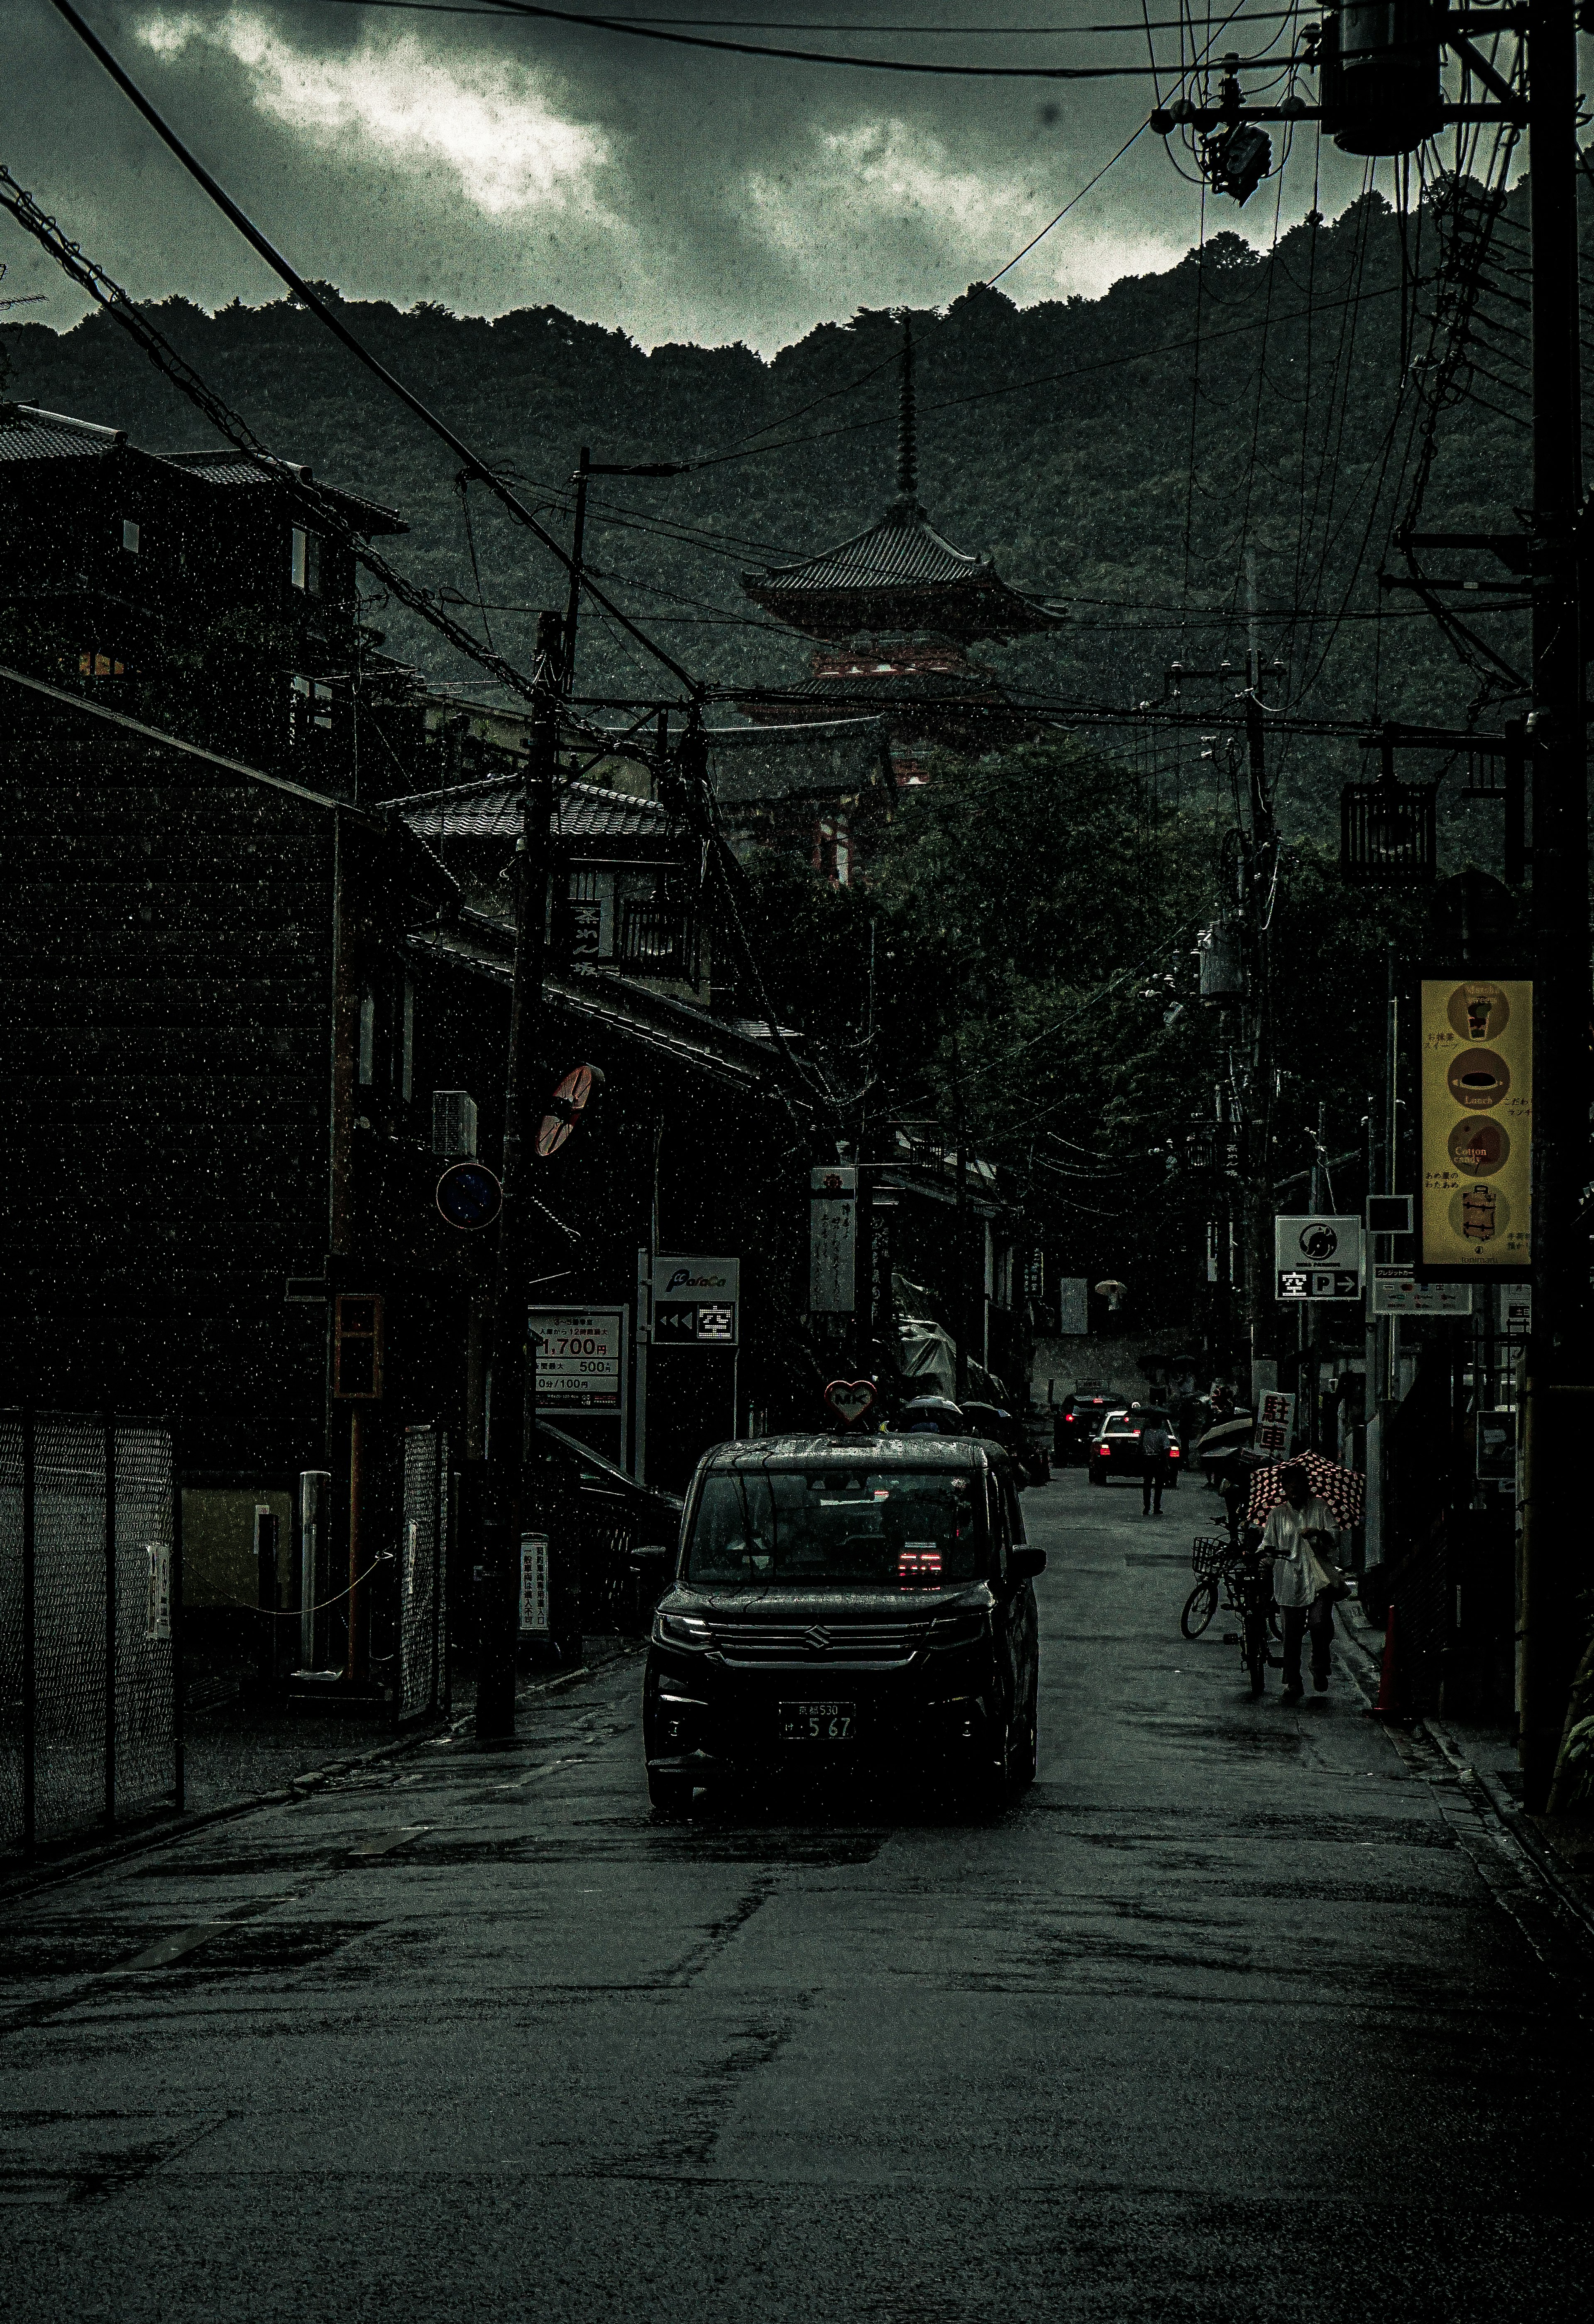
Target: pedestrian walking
[
  {"x": 1156, "y": 1445},
  {"x": 1300, "y": 1538}
]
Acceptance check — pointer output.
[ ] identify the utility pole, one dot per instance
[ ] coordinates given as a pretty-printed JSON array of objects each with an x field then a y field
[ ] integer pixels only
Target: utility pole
[
  {"x": 1258, "y": 861},
  {"x": 1555, "y": 1415},
  {"x": 965, "y": 1305},
  {"x": 586, "y": 468},
  {"x": 577, "y": 544},
  {"x": 506, "y": 1428}
]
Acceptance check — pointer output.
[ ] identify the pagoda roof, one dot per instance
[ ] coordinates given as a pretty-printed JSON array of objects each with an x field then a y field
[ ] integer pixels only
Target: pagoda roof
[{"x": 899, "y": 574}]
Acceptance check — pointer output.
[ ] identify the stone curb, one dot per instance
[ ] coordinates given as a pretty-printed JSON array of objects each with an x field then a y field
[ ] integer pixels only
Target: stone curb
[{"x": 1353, "y": 1636}]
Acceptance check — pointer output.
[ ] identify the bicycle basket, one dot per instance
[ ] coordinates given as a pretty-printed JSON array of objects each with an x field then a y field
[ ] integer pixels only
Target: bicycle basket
[{"x": 1210, "y": 1553}]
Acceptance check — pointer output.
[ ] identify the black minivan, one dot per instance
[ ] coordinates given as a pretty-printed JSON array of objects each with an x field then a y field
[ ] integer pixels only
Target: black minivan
[{"x": 849, "y": 1598}]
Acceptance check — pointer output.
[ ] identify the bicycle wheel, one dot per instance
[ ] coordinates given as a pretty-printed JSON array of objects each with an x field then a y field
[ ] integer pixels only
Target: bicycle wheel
[{"x": 1200, "y": 1606}]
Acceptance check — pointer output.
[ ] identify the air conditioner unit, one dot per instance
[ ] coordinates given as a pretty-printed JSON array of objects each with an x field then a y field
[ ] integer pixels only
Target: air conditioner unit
[{"x": 454, "y": 1125}]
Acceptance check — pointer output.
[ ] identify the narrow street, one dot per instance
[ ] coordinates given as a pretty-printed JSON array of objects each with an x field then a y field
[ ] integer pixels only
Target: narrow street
[{"x": 1241, "y": 2011}]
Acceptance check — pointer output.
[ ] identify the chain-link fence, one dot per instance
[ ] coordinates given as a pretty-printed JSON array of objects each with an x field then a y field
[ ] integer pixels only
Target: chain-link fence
[
  {"x": 423, "y": 1576},
  {"x": 88, "y": 1705}
]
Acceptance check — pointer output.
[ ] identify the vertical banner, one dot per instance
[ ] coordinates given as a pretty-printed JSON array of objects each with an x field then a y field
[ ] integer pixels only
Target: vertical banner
[
  {"x": 832, "y": 1239},
  {"x": 1074, "y": 1319},
  {"x": 1475, "y": 1092},
  {"x": 535, "y": 1609}
]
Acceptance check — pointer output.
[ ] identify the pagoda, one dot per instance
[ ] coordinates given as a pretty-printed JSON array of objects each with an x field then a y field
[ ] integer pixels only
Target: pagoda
[{"x": 894, "y": 611}]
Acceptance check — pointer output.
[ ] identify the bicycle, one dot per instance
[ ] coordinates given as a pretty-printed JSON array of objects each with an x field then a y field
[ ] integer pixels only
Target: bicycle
[{"x": 1246, "y": 1584}]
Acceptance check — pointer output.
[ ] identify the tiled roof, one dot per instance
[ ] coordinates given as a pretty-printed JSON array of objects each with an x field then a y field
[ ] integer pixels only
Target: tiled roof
[
  {"x": 29, "y": 434},
  {"x": 900, "y": 685},
  {"x": 675, "y": 1030},
  {"x": 240, "y": 469},
  {"x": 491, "y": 810},
  {"x": 905, "y": 547},
  {"x": 900, "y": 572},
  {"x": 220, "y": 467}
]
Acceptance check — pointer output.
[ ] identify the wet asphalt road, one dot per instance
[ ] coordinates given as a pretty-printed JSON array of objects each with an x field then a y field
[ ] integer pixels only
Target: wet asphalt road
[{"x": 1240, "y": 2012}]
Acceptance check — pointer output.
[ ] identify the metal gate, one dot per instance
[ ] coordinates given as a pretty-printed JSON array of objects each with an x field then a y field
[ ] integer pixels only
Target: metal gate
[
  {"x": 89, "y": 1709},
  {"x": 422, "y": 1683}
]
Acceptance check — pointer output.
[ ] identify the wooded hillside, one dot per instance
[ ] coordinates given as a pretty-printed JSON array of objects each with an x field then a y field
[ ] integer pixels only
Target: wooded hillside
[{"x": 1058, "y": 437}]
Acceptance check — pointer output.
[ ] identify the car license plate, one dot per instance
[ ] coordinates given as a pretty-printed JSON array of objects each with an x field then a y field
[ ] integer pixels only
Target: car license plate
[{"x": 818, "y": 1722}]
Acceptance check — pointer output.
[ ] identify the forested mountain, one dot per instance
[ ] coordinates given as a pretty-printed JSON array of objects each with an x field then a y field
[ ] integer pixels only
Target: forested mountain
[{"x": 1120, "y": 454}]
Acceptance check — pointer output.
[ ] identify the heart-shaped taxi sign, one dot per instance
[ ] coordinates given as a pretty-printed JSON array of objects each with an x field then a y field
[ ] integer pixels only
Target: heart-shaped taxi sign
[{"x": 850, "y": 1400}]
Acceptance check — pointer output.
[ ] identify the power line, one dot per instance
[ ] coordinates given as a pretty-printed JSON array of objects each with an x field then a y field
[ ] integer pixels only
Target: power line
[
  {"x": 760, "y": 25},
  {"x": 1068, "y": 206},
  {"x": 1050, "y": 378},
  {"x": 340, "y": 330},
  {"x": 635, "y": 29}
]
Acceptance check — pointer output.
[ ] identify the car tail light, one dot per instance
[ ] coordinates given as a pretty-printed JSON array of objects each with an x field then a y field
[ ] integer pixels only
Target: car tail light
[{"x": 1173, "y": 1452}]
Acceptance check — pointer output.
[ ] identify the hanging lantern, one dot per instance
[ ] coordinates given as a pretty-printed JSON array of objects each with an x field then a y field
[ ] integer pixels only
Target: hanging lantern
[{"x": 1378, "y": 75}]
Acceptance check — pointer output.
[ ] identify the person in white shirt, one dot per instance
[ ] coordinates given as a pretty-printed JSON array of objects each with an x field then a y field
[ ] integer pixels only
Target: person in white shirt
[{"x": 1300, "y": 1538}]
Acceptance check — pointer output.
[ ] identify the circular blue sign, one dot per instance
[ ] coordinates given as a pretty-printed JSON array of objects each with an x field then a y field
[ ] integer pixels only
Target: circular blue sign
[{"x": 469, "y": 1195}]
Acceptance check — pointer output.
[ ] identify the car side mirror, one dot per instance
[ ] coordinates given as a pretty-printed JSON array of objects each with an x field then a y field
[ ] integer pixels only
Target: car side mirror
[{"x": 1025, "y": 1564}]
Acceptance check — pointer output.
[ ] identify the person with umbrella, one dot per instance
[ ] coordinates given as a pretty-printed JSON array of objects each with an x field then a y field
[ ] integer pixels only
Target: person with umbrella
[{"x": 1300, "y": 1537}]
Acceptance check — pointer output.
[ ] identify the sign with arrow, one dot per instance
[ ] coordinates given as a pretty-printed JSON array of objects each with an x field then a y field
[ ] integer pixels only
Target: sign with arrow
[{"x": 1317, "y": 1256}]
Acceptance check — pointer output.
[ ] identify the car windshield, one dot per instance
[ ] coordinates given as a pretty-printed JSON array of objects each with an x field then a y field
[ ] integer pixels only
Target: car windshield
[
  {"x": 841, "y": 1527},
  {"x": 1130, "y": 1423}
]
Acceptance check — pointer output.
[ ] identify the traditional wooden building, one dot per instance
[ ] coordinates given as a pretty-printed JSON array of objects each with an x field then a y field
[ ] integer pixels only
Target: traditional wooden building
[
  {"x": 894, "y": 612},
  {"x": 182, "y": 588}
]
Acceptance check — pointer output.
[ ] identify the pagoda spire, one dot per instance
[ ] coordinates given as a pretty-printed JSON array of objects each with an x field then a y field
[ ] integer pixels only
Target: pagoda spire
[{"x": 906, "y": 424}]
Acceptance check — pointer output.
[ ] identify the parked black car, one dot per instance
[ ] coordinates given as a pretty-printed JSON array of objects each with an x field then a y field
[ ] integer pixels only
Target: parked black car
[
  {"x": 865, "y": 1598},
  {"x": 1116, "y": 1450},
  {"x": 1078, "y": 1423}
]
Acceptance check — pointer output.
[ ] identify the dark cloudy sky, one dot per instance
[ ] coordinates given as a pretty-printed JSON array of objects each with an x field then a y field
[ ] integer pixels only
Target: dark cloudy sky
[{"x": 489, "y": 164}]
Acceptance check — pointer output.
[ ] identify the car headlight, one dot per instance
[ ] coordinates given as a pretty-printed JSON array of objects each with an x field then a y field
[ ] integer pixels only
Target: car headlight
[
  {"x": 957, "y": 1630},
  {"x": 681, "y": 1630}
]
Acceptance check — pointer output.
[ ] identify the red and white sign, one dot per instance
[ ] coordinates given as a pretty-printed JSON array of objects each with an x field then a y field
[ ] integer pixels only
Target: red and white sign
[
  {"x": 569, "y": 1103},
  {"x": 851, "y": 1401},
  {"x": 1276, "y": 1422}
]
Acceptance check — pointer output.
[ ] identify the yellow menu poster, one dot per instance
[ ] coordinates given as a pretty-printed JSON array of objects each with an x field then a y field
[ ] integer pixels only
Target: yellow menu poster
[{"x": 1475, "y": 1177}]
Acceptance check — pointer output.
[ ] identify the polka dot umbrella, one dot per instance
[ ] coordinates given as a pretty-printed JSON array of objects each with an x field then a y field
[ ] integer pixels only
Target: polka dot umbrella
[{"x": 1343, "y": 1490}]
